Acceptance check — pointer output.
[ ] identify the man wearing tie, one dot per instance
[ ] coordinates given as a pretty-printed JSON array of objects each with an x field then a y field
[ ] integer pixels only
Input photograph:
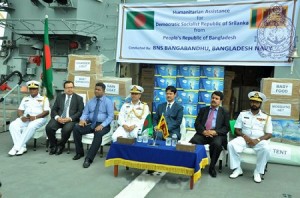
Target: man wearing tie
[
  {"x": 65, "y": 112},
  {"x": 173, "y": 113},
  {"x": 96, "y": 118},
  {"x": 212, "y": 126}
]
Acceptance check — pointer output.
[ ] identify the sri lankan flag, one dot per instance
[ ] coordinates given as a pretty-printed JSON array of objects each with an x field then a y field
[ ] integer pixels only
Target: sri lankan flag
[
  {"x": 140, "y": 20},
  {"x": 260, "y": 14},
  {"x": 162, "y": 125}
]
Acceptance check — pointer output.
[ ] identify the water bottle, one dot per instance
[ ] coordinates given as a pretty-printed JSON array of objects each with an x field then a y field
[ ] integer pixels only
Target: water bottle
[
  {"x": 139, "y": 136},
  {"x": 174, "y": 139}
]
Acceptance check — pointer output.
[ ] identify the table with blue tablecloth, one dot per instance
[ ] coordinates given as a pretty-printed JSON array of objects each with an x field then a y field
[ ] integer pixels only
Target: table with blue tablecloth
[{"x": 159, "y": 158}]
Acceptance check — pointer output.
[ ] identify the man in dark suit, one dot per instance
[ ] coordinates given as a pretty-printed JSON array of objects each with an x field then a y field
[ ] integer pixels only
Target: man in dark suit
[
  {"x": 65, "y": 112},
  {"x": 212, "y": 126},
  {"x": 173, "y": 113}
]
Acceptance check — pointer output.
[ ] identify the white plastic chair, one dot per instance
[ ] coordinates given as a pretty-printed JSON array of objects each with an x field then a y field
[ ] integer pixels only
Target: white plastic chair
[
  {"x": 183, "y": 129},
  {"x": 40, "y": 132},
  {"x": 88, "y": 138}
]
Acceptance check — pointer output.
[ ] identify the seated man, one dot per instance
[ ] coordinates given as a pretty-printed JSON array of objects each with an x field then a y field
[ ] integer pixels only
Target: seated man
[
  {"x": 212, "y": 126},
  {"x": 253, "y": 128},
  {"x": 65, "y": 112},
  {"x": 96, "y": 118},
  {"x": 32, "y": 114},
  {"x": 132, "y": 115},
  {"x": 173, "y": 113}
]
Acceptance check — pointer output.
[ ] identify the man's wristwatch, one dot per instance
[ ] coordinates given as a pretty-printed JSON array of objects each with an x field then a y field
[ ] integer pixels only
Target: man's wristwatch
[{"x": 258, "y": 139}]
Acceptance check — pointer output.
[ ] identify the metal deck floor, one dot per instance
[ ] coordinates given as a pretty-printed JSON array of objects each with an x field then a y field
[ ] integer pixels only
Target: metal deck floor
[{"x": 36, "y": 174}]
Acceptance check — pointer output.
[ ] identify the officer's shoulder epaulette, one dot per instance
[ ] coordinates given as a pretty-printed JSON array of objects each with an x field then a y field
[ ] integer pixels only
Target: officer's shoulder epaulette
[
  {"x": 143, "y": 103},
  {"x": 265, "y": 112}
]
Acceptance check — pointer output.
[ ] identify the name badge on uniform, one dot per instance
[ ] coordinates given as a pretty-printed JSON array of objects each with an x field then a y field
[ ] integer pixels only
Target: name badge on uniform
[
  {"x": 246, "y": 117},
  {"x": 261, "y": 119}
]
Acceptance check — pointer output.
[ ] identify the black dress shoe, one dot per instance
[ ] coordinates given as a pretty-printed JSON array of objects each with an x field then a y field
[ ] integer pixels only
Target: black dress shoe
[
  {"x": 77, "y": 156},
  {"x": 60, "y": 150},
  {"x": 150, "y": 172},
  {"x": 86, "y": 163},
  {"x": 52, "y": 150},
  {"x": 212, "y": 172}
]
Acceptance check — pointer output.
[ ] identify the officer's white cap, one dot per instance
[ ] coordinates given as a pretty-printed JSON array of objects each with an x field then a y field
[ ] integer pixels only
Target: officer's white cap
[
  {"x": 33, "y": 84},
  {"x": 136, "y": 89},
  {"x": 257, "y": 96}
]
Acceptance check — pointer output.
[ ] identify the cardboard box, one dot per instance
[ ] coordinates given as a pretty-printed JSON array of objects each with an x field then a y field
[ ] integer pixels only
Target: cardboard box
[
  {"x": 277, "y": 130},
  {"x": 166, "y": 70},
  {"x": 117, "y": 100},
  {"x": 164, "y": 82},
  {"x": 116, "y": 86},
  {"x": 283, "y": 88},
  {"x": 85, "y": 64},
  {"x": 190, "y": 109},
  {"x": 187, "y": 97},
  {"x": 210, "y": 84},
  {"x": 286, "y": 131},
  {"x": 83, "y": 93},
  {"x": 84, "y": 80},
  {"x": 190, "y": 122},
  {"x": 188, "y": 70},
  {"x": 159, "y": 96},
  {"x": 205, "y": 96},
  {"x": 282, "y": 109},
  {"x": 212, "y": 71},
  {"x": 201, "y": 105},
  {"x": 188, "y": 83}
]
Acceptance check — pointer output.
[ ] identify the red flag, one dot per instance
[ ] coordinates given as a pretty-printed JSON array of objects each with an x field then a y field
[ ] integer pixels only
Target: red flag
[
  {"x": 163, "y": 126},
  {"x": 47, "y": 66}
]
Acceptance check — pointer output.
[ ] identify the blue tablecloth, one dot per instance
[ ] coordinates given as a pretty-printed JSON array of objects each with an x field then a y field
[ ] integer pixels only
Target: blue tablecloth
[{"x": 160, "y": 158}]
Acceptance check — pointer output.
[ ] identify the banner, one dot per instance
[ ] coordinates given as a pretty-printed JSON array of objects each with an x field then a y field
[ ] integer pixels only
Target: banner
[{"x": 240, "y": 33}]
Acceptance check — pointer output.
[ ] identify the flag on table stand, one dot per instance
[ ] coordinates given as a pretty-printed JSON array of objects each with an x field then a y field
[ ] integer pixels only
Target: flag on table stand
[
  {"x": 162, "y": 125},
  {"x": 148, "y": 125},
  {"x": 47, "y": 77}
]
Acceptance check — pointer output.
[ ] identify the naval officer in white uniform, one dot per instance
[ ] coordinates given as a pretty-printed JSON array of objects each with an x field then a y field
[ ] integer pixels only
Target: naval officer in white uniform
[
  {"x": 253, "y": 129},
  {"x": 132, "y": 115},
  {"x": 32, "y": 114}
]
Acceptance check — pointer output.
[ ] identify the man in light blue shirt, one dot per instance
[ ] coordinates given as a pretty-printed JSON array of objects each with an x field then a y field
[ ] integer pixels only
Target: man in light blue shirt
[{"x": 96, "y": 118}]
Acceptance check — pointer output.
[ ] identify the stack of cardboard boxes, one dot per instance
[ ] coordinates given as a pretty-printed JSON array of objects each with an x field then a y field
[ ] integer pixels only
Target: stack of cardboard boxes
[
  {"x": 188, "y": 78},
  {"x": 195, "y": 85},
  {"x": 84, "y": 71},
  {"x": 283, "y": 105}
]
